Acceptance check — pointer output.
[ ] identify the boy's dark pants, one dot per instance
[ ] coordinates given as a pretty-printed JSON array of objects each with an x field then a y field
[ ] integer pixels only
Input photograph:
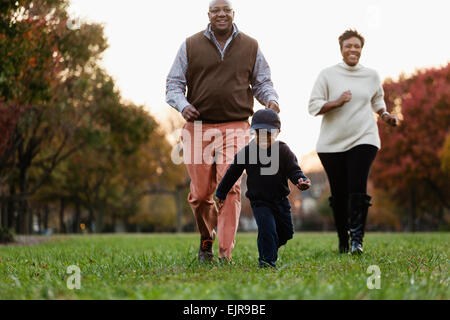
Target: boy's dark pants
[{"x": 275, "y": 228}]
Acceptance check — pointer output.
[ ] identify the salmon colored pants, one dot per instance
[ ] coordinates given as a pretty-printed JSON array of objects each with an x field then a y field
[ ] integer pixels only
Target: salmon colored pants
[{"x": 208, "y": 151}]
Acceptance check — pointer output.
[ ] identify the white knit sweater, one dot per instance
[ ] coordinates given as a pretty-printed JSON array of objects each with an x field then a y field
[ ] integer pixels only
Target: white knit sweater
[{"x": 354, "y": 123}]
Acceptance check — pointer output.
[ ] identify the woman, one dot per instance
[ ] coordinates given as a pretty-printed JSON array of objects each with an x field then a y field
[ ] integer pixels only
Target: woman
[{"x": 346, "y": 95}]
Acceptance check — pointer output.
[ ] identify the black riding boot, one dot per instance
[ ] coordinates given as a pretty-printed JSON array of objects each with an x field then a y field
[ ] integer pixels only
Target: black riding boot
[
  {"x": 359, "y": 204},
  {"x": 340, "y": 213}
]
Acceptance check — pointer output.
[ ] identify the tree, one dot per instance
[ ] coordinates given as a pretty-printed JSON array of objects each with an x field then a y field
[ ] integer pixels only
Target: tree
[
  {"x": 66, "y": 136},
  {"x": 409, "y": 163},
  {"x": 40, "y": 56},
  {"x": 445, "y": 155}
]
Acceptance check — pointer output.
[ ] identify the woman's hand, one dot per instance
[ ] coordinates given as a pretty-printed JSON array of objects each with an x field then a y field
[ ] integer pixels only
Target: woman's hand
[
  {"x": 390, "y": 119},
  {"x": 346, "y": 96},
  {"x": 303, "y": 184}
]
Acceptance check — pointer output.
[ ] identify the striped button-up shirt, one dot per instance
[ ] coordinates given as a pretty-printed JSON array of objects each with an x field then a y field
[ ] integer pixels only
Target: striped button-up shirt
[{"x": 261, "y": 82}]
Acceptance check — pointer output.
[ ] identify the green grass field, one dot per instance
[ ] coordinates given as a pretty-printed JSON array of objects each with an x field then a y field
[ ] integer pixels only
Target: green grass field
[{"x": 413, "y": 266}]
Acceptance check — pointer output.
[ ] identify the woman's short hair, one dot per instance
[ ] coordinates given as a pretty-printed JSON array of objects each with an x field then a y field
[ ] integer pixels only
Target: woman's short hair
[{"x": 350, "y": 34}]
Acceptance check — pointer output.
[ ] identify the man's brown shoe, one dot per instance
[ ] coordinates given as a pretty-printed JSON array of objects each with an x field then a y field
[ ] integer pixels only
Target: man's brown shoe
[{"x": 205, "y": 252}]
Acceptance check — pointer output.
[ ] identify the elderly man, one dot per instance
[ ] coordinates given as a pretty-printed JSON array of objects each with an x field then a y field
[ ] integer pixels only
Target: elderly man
[{"x": 222, "y": 69}]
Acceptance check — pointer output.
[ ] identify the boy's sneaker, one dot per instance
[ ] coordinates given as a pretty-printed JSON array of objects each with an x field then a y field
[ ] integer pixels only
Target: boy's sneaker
[
  {"x": 264, "y": 264},
  {"x": 205, "y": 252},
  {"x": 356, "y": 248}
]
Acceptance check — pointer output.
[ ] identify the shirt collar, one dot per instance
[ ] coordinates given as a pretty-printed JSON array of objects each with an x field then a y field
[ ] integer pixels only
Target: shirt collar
[
  {"x": 356, "y": 67},
  {"x": 209, "y": 33}
]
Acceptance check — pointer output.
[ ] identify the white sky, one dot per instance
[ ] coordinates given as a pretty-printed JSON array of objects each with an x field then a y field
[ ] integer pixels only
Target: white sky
[{"x": 298, "y": 39}]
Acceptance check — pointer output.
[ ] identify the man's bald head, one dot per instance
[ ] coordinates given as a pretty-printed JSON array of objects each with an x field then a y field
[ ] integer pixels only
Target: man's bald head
[{"x": 214, "y": 3}]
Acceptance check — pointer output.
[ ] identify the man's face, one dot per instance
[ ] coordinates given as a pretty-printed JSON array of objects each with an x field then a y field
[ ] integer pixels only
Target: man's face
[
  {"x": 351, "y": 51},
  {"x": 221, "y": 16}
]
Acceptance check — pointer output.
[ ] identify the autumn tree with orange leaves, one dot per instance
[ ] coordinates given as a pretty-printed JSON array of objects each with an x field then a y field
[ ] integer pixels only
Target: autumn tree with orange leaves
[{"x": 412, "y": 163}]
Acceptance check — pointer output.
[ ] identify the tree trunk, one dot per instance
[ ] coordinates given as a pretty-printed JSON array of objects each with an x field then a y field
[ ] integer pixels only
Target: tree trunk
[
  {"x": 39, "y": 218},
  {"x": 179, "y": 205},
  {"x": 45, "y": 220},
  {"x": 412, "y": 222},
  {"x": 76, "y": 223},
  {"x": 62, "y": 226},
  {"x": 4, "y": 215},
  {"x": 113, "y": 222},
  {"x": 440, "y": 218},
  {"x": 23, "y": 202},
  {"x": 11, "y": 207},
  {"x": 30, "y": 221},
  {"x": 91, "y": 219},
  {"x": 22, "y": 217},
  {"x": 100, "y": 221}
]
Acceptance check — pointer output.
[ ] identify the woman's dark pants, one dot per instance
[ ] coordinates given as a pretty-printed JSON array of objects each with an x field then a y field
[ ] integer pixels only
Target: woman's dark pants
[
  {"x": 275, "y": 228},
  {"x": 348, "y": 173}
]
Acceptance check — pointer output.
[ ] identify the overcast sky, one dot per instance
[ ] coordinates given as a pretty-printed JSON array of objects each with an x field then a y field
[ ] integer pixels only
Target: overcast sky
[{"x": 298, "y": 38}]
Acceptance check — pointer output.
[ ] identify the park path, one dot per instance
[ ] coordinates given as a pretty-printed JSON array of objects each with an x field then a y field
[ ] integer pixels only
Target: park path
[{"x": 27, "y": 240}]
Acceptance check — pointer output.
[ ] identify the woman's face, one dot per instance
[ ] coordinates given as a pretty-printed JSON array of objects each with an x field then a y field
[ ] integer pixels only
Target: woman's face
[{"x": 351, "y": 51}]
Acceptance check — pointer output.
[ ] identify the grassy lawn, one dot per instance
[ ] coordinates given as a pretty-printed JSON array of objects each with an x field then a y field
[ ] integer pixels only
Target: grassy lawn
[{"x": 413, "y": 266}]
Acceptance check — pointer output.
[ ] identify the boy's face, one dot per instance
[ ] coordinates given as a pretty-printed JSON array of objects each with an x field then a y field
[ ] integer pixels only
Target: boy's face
[{"x": 265, "y": 138}]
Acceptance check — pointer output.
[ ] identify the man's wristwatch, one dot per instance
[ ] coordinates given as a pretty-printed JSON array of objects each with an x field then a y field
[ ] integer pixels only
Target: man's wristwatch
[{"x": 384, "y": 113}]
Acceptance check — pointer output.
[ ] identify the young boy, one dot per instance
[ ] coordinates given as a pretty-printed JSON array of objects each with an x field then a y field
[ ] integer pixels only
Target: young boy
[{"x": 268, "y": 163}]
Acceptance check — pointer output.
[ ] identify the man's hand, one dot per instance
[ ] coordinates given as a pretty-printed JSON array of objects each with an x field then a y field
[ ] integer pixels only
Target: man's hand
[
  {"x": 220, "y": 203},
  {"x": 273, "y": 105},
  {"x": 303, "y": 184},
  {"x": 390, "y": 119},
  {"x": 190, "y": 114},
  {"x": 346, "y": 96}
]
